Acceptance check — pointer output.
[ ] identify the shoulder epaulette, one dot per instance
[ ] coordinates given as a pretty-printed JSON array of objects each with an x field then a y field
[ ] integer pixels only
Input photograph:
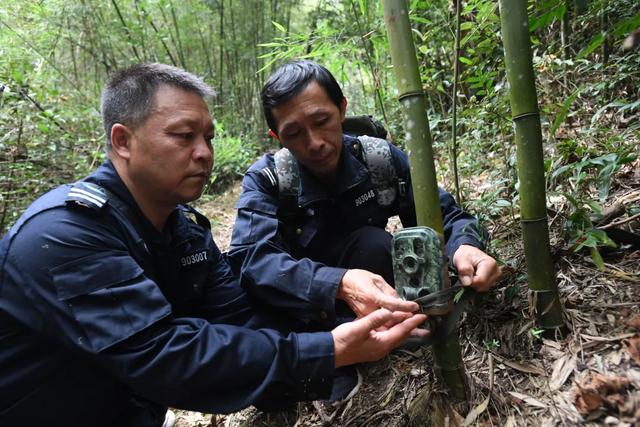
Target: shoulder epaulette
[
  {"x": 88, "y": 195},
  {"x": 194, "y": 216},
  {"x": 271, "y": 175}
]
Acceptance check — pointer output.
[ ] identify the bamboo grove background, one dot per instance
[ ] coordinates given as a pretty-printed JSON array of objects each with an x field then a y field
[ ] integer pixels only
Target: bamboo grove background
[{"x": 56, "y": 55}]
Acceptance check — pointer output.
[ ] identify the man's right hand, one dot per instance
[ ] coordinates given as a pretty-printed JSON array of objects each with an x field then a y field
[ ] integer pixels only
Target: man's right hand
[
  {"x": 366, "y": 292},
  {"x": 370, "y": 338}
]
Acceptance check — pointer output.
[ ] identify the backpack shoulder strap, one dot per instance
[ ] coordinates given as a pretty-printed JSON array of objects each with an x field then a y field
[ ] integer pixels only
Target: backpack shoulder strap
[
  {"x": 287, "y": 173},
  {"x": 379, "y": 161},
  {"x": 377, "y": 158}
]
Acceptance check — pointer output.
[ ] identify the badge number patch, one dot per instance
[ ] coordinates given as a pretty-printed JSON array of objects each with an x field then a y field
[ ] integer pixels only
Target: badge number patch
[
  {"x": 194, "y": 258},
  {"x": 365, "y": 197}
]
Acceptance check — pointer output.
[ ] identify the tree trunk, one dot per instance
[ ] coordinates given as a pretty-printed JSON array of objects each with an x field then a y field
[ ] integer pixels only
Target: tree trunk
[
  {"x": 447, "y": 354},
  {"x": 528, "y": 136},
  {"x": 454, "y": 106},
  {"x": 221, "y": 62}
]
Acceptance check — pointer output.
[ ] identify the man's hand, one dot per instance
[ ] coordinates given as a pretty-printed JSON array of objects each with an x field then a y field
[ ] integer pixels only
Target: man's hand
[
  {"x": 367, "y": 339},
  {"x": 475, "y": 268},
  {"x": 366, "y": 292}
]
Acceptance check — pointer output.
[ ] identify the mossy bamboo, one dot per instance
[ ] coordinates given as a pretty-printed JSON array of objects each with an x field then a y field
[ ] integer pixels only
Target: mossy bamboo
[
  {"x": 528, "y": 138},
  {"x": 447, "y": 354}
]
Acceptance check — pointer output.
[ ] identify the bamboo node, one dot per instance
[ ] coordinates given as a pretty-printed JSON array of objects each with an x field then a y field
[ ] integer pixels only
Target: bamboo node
[
  {"x": 410, "y": 94},
  {"x": 526, "y": 115},
  {"x": 541, "y": 219}
]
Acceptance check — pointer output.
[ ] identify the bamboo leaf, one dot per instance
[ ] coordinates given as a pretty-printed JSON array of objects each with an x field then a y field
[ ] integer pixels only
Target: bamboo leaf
[
  {"x": 528, "y": 399},
  {"x": 363, "y": 6},
  {"x": 564, "y": 111},
  {"x": 593, "y": 45},
  {"x": 625, "y": 27},
  {"x": 562, "y": 368},
  {"x": 270, "y": 44},
  {"x": 458, "y": 295},
  {"x": 279, "y": 27},
  {"x": 597, "y": 259},
  {"x": 475, "y": 412}
]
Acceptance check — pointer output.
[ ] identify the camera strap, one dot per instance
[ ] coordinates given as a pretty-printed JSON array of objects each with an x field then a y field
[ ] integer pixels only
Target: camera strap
[{"x": 442, "y": 326}]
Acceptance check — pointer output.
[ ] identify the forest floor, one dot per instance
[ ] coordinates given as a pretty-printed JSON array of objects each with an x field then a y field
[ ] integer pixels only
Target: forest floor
[{"x": 516, "y": 377}]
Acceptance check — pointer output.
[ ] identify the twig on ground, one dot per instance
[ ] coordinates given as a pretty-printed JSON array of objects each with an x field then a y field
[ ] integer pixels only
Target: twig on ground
[{"x": 620, "y": 222}]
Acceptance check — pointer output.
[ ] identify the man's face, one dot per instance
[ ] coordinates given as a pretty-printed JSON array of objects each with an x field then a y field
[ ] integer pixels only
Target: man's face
[
  {"x": 170, "y": 154},
  {"x": 310, "y": 126}
]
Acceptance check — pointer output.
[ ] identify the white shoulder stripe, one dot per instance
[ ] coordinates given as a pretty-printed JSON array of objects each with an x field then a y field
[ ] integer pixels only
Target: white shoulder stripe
[
  {"x": 81, "y": 194},
  {"x": 98, "y": 198},
  {"x": 267, "y": 172}
]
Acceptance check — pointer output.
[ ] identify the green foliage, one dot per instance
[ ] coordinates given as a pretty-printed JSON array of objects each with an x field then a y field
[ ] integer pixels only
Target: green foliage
[
  {"x": 492, "y": 345},
  {"x": 232, "y": 157},
  {"x": 55, "y": 57},
  {"x": 605, "y": 166},
  {"x": 581, "y": 175},
  {"x": 536, "y": 333}
]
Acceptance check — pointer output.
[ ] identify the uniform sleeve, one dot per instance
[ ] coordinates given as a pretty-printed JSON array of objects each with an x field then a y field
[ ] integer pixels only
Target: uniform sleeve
[
  {"x": 302, "y": 287},
  {"x": 95, "y": 299},
  {"x": 460, "y": 227}
]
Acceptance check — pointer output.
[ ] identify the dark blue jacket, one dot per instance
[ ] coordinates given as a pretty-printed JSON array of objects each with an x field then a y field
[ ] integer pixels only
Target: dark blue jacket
[
  {"x": 275, "y": 241},
  {"x": 105, "y": 321}
]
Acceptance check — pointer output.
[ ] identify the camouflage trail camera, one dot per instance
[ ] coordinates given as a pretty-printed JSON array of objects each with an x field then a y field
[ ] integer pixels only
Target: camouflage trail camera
[{"x": 420, "y": 268}]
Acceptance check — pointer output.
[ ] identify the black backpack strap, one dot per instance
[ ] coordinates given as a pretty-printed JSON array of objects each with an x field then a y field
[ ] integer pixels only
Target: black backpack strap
[{"x": 363, "y": 125}]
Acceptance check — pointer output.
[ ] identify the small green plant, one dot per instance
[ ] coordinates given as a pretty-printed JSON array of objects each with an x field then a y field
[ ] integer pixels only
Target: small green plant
[
  {"x": 458, "y": 295},
  {"x": 581, "y": 231},
  {"x": 581, "y": 172},
  {"x": 595, "y": 172},
  {"x": 494, "y": 344},
  {"x": 510, "y": 293},
  {"x": 536, "y": 333}
]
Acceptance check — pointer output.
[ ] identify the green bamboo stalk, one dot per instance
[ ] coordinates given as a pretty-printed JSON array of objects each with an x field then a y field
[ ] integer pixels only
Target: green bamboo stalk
[
  {"x": 454, "y": 112},
  {"x": 528, "y": 137},
  {"x": 447, "y": 354}
]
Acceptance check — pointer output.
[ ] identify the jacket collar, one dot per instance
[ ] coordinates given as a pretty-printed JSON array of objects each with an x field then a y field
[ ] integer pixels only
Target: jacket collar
[
  {"x": 107, "y": 177},
  {"x": 350, "y": 172}
]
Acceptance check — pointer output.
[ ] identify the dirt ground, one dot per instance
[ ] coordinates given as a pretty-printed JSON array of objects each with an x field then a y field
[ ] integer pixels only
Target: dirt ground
[{"x": 516, "y": 377}]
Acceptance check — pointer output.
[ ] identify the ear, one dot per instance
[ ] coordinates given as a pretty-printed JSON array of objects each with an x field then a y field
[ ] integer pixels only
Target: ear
[
  {"x": 273, "y": 135},
  {"x": 121, "y": 137},
  {"x": 343, "y": 108}
]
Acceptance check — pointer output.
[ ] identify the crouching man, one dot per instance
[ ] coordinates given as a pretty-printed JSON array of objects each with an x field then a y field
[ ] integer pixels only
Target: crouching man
[{"x": 310, "y": 232}]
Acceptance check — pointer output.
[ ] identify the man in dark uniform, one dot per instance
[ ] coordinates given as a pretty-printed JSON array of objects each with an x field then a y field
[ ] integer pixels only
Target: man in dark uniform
[
  {"x": 116, "y": 303},
  {"x": 327, "y": 241}
]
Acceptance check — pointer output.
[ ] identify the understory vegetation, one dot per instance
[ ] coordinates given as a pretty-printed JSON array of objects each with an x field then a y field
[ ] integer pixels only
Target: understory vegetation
[{"x": 56, "y": 55}]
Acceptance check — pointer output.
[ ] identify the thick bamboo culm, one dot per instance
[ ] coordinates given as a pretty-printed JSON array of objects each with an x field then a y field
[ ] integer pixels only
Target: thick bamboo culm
[
  {"x": 447, "y": 354},
  {"x": 528, "y": 138}
]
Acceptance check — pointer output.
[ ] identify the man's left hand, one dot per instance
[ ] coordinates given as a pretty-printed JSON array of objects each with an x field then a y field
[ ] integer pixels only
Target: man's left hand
[
  {"x": 475, "y": 268},
  {"x": 366, "y": 292}
]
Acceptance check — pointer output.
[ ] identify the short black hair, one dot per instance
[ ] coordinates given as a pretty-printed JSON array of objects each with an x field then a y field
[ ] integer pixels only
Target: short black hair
[
  {"x": 290, "y": 79},
  {"x": 128, "y": 97}
]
